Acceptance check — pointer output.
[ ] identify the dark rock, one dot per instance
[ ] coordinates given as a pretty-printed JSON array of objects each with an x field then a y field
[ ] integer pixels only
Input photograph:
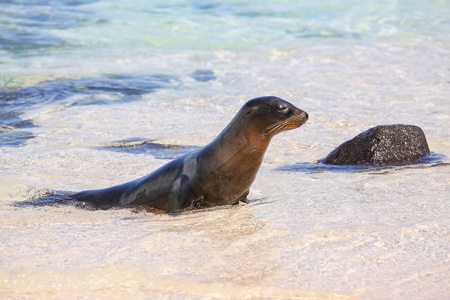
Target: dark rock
[{"x": 381, "y": 145}]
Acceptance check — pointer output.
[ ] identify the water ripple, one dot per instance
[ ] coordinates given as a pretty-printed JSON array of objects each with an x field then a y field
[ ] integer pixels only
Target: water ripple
[{"x": 431, "y": 161}]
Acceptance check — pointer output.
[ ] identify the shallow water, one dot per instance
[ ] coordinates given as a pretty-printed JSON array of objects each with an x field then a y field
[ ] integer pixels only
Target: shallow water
[{"x": 97, "y": 93}]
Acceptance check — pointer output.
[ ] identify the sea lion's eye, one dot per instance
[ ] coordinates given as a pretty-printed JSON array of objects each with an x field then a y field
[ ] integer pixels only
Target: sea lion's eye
[
  {"x": 282, "y": 108},
  {"x": 250, "y": 111}
]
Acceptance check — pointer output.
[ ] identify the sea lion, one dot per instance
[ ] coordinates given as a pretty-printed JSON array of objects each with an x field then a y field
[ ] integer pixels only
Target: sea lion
[{"x": 220, "y": 173}]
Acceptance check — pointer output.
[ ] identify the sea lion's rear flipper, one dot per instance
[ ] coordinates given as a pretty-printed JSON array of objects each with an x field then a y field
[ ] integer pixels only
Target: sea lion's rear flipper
[{"x": 103, "y": 199}]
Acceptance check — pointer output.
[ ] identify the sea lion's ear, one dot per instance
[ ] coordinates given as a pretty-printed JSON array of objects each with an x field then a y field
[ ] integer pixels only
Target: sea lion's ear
[{"x": 251, "y": 110}]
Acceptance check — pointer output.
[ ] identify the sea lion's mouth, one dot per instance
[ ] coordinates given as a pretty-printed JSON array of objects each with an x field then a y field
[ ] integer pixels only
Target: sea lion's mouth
[{"x": 295, "y": 121}]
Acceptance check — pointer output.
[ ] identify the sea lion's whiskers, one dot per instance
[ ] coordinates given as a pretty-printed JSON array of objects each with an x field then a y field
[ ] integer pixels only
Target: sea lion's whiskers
[
  {"x": 288, "y": 124},
  {"x": 275, "y": 125},
  {"x": 279, "y": 126},
  {"x": 273, "y": 128}
]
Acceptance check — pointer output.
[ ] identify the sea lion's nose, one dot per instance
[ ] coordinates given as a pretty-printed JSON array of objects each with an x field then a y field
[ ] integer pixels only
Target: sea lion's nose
[{"x": 305, "y": 115}]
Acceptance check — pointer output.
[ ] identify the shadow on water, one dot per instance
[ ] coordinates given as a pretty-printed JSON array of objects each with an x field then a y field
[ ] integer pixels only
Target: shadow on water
[
  {"x": 11, "y": 129},
  {"x": 142, "y": 146},
  {"x": 14, "y": 138},
  {"x": 56, "y": 90},
  {"x": 14, "y": 103},
  {"x": 431, "y": 161},
  {"x": 203, "y": 75},
  {"x": 123, "y": 88}
]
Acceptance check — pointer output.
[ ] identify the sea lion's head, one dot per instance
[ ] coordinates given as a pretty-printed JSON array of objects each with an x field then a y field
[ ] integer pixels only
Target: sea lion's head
[{"x": 272, "y": 115}]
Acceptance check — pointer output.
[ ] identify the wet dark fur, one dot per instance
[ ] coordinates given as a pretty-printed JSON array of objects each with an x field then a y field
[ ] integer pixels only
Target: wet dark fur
[{"x": 220, "y": 173}]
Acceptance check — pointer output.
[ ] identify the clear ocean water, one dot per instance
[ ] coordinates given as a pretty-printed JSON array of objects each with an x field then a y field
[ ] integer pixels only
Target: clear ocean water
[{"x": 98, "y": 93}]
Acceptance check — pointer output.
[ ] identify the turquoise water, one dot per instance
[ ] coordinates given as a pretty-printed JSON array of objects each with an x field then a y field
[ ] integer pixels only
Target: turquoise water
[
  {"x": 71, "y": 27},
  {"x": 62, "y": 32},
  {"x": 98, "y": 93}
]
